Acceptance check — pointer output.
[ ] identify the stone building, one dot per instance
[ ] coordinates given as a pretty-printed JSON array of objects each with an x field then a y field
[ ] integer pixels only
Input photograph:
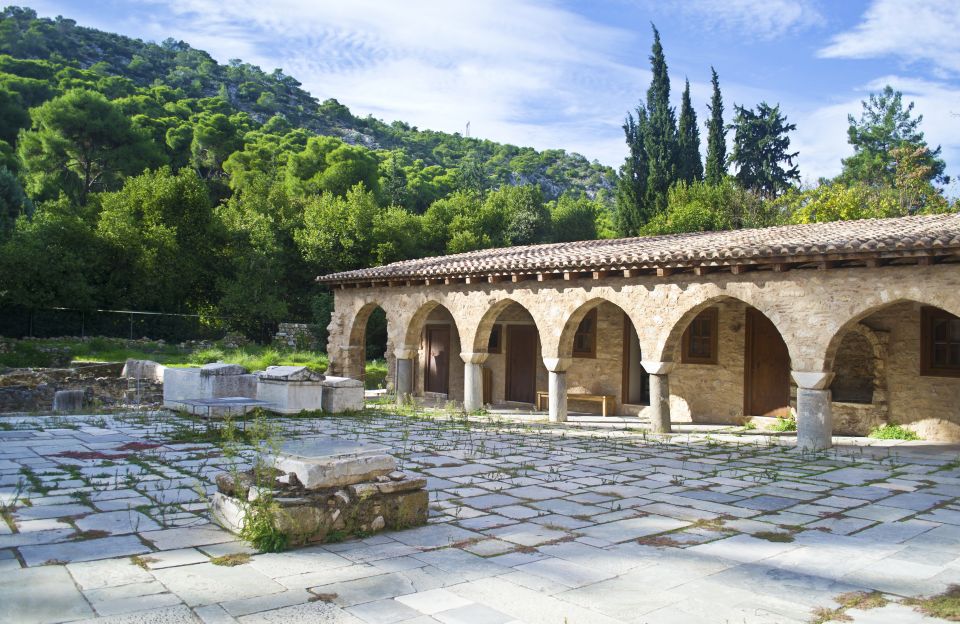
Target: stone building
[{"x": 846, "y": 325}]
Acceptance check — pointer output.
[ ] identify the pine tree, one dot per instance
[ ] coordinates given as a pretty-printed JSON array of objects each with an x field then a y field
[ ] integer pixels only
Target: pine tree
[
  {"x": 632, "y": 207},
  {"x": 660, "y": 136},
  {"x": 689, "y": 165},
  {"x": 716, "y": 136},
  {"x": 760, "y": 146}
]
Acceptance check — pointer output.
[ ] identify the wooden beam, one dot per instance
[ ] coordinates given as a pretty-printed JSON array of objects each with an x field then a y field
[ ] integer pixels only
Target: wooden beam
[
  {"x": 665, "y": 271},
  {"x": 545, "y": 277},
  {"x": 781, "y": 267},
  {"x": 631, "y": 272},
  {"x": 740, "y": 269},
  {"x": 494, "y": 279},
  {"x": 567, "y": 276},
  {"x": 600, "y": 274},
  {"x": 519, "y": 277},
  {"x": 703, "y": 270},
  {"x": 925, "y": 261},
  {"x": 826, "y": 264}
]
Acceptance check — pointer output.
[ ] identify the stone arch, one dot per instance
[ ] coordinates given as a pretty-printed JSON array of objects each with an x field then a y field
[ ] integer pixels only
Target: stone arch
[
  {"x": 608, "y": 370},
  {"x": 481, "y": 335},
  {"x": 416, "y": 343},
  {"x": 681, "y": 318},
  {"x": 354, "y": 352},
  {"x": 836, "y": 337},
  {"x": 868, "y": 381}
]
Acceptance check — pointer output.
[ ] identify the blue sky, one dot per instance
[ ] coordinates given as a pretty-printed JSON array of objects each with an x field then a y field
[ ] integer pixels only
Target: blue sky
[{"x": 562, "y": 74}]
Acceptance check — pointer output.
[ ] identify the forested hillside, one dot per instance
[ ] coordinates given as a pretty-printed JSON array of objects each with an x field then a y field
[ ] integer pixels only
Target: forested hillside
[{"x": 148, "y": 176}]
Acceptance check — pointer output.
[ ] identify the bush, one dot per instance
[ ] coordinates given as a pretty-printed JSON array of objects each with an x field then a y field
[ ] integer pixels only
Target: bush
[
  {"x": 784, "y": 424},
  {"x": 893, "y": 431}
]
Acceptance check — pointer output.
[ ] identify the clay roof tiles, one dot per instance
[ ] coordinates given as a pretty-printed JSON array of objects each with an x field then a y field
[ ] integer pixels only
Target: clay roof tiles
[{"x": 909, "y": 235}]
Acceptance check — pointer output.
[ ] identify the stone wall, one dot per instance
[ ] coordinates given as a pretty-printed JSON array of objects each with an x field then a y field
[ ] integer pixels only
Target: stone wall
[
  {"x": 929, "y": 405},
  {"x": 812, "y": 309},
  {"x": 295, "y": 336}
]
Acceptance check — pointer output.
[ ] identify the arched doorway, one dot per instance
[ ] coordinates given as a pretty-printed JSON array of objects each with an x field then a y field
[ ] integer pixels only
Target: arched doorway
[
  {"x": 513, "y": 371},
  {"x": 368, "y": 349},
  {"x": 731, "y": 364},
  {"x": 439, "y": 369}
]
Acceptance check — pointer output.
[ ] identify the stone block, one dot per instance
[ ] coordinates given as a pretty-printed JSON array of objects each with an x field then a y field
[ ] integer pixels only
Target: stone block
[
  {"x": 68, "y": 400},
  {"x": 342, "y": 394},
  {"x": 333, "y": 463},
  {"x": 144, "y": 369},
  {"x": 290, "y": 389},
  {"x": 209, "y": 382},
  {"x": 220, "y": 369}
]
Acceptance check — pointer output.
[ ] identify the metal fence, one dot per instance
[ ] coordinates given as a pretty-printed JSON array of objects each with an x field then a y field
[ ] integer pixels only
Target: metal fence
[{"x": 130, "y": 324}]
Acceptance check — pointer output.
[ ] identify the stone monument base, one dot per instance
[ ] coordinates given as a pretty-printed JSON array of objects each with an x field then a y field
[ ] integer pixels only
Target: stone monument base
[{"x": 326, "y": 490}]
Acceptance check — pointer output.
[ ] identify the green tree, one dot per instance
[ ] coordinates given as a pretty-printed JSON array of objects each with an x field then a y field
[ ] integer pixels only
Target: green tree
[
  {"x": 716, "y": 135},
  {"x": 337, "y": 232},
  {"x": 884, "y": 126},
  {"x": 701, "y": 207},
  {"x": 13, "y": 202},
  {"x": 660, "y": 132},
  {"x": 79, "y": 143},
  {"x": 574, "y": 218},
  {"x": 631, "y": 199},
  {"x": 164, "y": 240},
  {"x": 689, "y": 165},
  {"x": 527, "y": 220},
  {"x": 327, "y": 164},
  {"x": 761, "y": 144}
]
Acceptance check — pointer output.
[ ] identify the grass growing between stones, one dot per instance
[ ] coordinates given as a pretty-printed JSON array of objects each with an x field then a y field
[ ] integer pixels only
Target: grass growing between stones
[
  {"x": 893, "y": 431},
  {"x": 852, "y": 600},
  {"x": 231, "y": 560},
  {"x": 784, "y": 424},
  {"x": 945, "y": 605}
]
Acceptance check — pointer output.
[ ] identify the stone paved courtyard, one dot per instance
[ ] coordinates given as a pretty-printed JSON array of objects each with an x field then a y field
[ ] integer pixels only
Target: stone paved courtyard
[{"x": 105, "y": 517}]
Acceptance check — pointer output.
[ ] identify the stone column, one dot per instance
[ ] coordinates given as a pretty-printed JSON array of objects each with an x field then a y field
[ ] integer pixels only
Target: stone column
[
  {"x": 814, "y": 410},
  {"x": 473, "y": 380},
  {"x": 659, "y": 394},
  {"x": 557, "y": 387},
  {"x": 406, "y": 360},
  {"x": 354, "y": 365}
]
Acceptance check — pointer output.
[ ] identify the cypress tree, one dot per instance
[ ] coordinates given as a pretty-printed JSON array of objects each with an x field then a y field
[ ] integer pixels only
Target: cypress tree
[
  {"x": 716, "y": 136},
  {"x": 632, "y": 207},
  {"x": 660, "y": 137},
  {"x": 689, "y": 165}
]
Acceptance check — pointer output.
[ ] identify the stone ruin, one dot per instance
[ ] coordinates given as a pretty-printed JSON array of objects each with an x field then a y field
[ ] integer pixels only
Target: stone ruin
[
  {"x": 326, "y": 490},
  {"x": 218, "y": 390}
]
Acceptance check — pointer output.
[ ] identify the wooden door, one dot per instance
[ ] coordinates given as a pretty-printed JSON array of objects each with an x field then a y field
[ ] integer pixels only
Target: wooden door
[
  {"x": 766, "y": 368},
  {"x": 437, "y": 375},
  {"x": 521, "y": 363}
]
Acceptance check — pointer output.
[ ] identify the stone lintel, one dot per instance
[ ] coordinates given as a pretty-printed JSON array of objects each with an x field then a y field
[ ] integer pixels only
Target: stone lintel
[
  {"x": 657, "y": 368},
  {"x": 557, "y": 365},
  {"x": 474, "y": 358},
  {"x": 812, "y": 380}
]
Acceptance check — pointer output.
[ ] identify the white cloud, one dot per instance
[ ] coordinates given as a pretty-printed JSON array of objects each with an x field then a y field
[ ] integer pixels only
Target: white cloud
[
  {"x": 763, "y": 19},
  {"x": 913, "y": 30}
]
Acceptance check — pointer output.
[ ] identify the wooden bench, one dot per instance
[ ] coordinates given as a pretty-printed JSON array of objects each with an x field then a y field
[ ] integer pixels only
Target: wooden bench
[{"x": 606, "y": 401}]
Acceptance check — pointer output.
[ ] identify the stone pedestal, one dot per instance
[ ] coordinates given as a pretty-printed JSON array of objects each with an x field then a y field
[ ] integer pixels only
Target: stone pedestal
[
  {"x": 814, "y": 410},
  {"x": 68, "y": 401},
  {"x": 324, "y": 490},
  {"x": 659, "y": 395}
]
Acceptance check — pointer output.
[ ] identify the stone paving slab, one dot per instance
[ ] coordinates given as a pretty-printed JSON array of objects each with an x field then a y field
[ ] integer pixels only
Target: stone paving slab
[{"x": 531, "y": 523}]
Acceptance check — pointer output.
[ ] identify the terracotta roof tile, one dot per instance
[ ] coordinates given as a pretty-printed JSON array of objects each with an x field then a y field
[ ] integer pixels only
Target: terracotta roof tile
[{"x": 904, "y": 235}]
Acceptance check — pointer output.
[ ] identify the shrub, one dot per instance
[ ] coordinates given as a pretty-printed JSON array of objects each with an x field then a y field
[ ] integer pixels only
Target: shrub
[{"x": 893, "y": 431}]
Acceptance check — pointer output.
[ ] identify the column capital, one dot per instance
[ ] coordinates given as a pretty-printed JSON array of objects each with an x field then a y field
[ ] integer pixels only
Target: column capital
[
  {"x": 406, "y": 353},
  {"x": 474, "y": 358},
  {"x": 657, "y": 368},
  {"x": 557, "y": 365},
  {"x": 812, "y": 380}
]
